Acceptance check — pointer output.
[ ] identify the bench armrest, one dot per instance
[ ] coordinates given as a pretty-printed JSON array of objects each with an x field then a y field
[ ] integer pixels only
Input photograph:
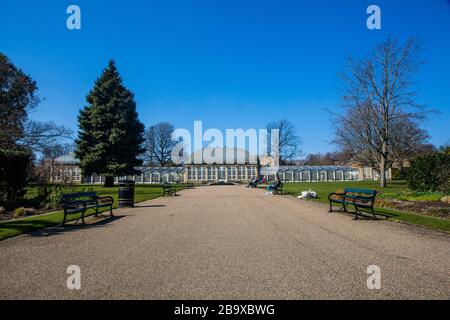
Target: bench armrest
[
  {"x": 335, "y": 194},
  {"x": 71, "y": 204},
  {"x": 368, "y": 199},
  {"x": 110, "y": 199}
]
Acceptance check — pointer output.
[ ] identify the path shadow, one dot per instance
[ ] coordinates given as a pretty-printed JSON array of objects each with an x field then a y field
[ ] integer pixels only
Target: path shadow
[
  {"x": 367, "y": 215},
  {"x": 70, "y": 227},
  {"x": 386, "y": 216},
  {"x": 364, "y": 214},
  {"x": 151, "y": 206}
]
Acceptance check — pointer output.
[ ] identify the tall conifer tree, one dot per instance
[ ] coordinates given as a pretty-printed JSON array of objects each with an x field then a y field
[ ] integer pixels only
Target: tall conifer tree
[{"x": 110, "y": 136}]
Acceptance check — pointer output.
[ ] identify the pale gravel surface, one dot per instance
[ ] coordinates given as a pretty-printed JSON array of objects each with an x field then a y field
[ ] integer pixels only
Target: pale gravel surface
[{"x": 228, "y": 242}]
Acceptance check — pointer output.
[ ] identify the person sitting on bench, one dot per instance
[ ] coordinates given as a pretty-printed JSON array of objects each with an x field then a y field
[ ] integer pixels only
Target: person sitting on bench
[
  {"x": 273, "y": 186},
  {"x": 253, "y": 183}
]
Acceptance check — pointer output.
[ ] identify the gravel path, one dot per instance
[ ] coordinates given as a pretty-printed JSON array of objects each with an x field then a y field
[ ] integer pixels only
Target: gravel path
[{"x": 227, "y": 242}]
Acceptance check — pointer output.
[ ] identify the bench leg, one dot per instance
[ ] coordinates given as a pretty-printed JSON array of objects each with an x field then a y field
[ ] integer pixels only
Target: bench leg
[
  {"x": 64, "y": 220},
  {"x": 82, "y": 217},
  {"x": 356, "y": 214},
  {"x": 331, "y": 207},
  {"x": 110, "y": 212},
  {"x": 345, "y": 208}
]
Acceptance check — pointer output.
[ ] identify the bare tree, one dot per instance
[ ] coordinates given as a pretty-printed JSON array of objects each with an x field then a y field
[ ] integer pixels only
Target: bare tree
[
  {"x": 381, "y": 113},
  {"x": 319, "y": 159},
  {"x": 40, "y": 136},
  {"x": 408, "y": 140},
  {"x": 289, "y": 141},
  {"x": 159, "y": 144},
  {"x": 52, "y": 152},
  {"x": 46, "y": 169}
]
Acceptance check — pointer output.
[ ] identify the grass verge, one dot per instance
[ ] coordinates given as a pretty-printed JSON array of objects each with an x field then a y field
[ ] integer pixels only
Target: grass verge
[
  {"x": 323, "y": 189},
  {"x": 15, "y": 227}
]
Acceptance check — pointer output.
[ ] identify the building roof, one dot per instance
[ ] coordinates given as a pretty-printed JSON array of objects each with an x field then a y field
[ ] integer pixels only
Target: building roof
[
  {"x": 272, "y": 170},
  {"x": 161, "y": 170},
  {"x": 229, "y": 156},
  {"x": 67, "y": 159}
]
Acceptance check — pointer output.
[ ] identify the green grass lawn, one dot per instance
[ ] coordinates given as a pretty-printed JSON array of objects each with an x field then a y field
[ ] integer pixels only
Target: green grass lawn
[
  {"x": 323, "y": 189},
  {"x": 15, "y": 227}
]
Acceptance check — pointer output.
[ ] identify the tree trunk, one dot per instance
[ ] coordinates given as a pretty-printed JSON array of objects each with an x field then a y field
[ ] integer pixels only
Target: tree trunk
[
  {"x": 109, "y": 182},
  {"x": 383, "y": 172}
]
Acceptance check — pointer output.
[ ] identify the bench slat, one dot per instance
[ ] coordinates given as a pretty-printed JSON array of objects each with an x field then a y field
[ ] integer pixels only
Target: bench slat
[
  {"x": 363, "y": 191},
  {"x": 79, "y": 195}
]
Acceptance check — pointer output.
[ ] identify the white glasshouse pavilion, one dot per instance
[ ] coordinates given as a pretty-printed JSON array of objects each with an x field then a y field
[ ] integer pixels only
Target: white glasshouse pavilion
[{"x": 203, "y": 173}]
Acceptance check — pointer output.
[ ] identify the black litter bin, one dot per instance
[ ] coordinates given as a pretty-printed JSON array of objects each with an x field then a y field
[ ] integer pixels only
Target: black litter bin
[{"x": 126, "y": 194}]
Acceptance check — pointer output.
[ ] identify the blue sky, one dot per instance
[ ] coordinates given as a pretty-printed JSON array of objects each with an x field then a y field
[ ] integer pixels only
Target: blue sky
[{"x": 231, "y": 64}]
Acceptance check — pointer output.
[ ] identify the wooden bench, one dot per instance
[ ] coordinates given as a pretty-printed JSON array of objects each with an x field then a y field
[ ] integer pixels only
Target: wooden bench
[
  {"x": 361, "y": 199},
  {"x": 169, "y": 190},
  {"x": 82, "y": 201}
]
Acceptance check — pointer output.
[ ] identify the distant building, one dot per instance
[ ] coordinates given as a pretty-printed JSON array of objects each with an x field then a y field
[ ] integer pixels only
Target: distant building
[
  {"x": 370, "y": 174},
  {"x": 67, "y": 167},
  {"x": 312, "y": 173},
  {"x": 365, "y": 172},
  {"x": 222, "y": 170}
]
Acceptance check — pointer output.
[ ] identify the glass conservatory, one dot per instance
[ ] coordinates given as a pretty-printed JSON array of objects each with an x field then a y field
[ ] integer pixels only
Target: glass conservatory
[{"x": 311, "y": 173}]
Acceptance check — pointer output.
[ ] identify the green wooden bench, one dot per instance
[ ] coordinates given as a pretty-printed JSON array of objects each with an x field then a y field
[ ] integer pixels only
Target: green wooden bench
[
  {"x": 189, "y": 185},
  {"x": 361, "y": 199},
  {"x": 82, "y": 201},
  {"x": 169, "y": 190}
]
